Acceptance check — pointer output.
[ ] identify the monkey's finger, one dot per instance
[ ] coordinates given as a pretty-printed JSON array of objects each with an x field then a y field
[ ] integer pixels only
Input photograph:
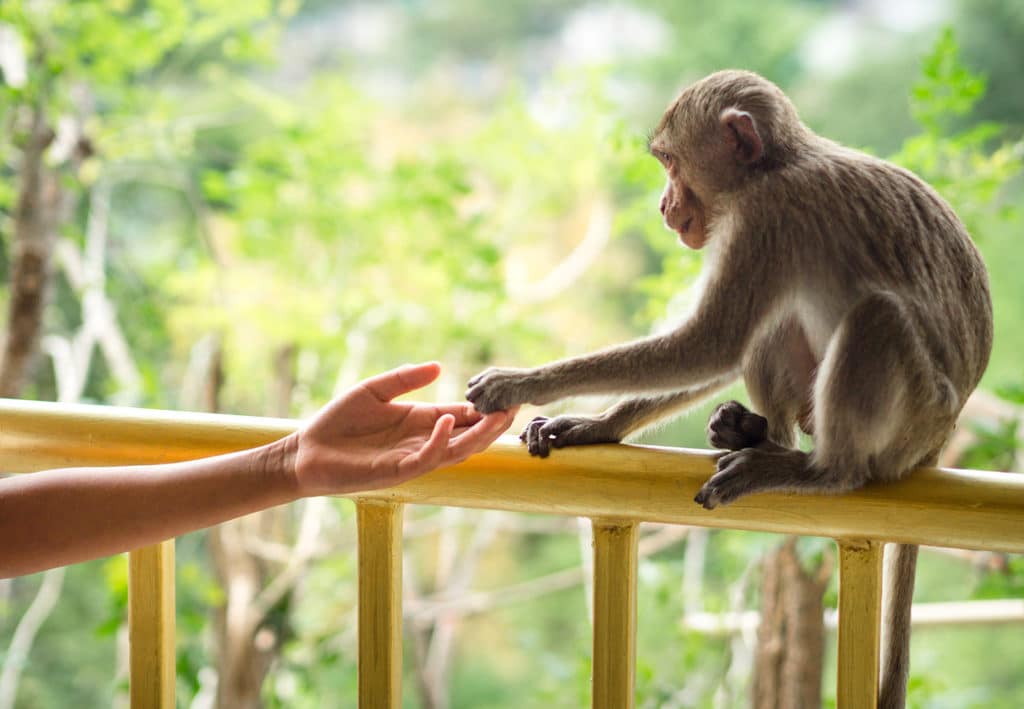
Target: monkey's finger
[
  {"x": 537, "y": 442},
  {"x": 476, "y": 379},
  {"x": 535, "y": 421},
  {"x": 563, "y": 432},
  {"x": 706, "y": 497},
  {"x": 479, "y": 396}
]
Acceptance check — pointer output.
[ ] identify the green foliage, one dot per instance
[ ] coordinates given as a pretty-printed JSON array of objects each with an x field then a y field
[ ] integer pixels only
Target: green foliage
[
  {"x": 478, "y": 29},
  {"x": 1004, "y": 583},
  {"x": 115, "y": 44},
  {"x": 959, "y": 162},
  {"x": 947, "y": 89},
  {"x": 995, "y": 447},
  {"x": 115, "y": 572},
  {"x": 707, "y": 35},
  {"x": 958, "y": 158},
  {"x": 977, "y": 170}
]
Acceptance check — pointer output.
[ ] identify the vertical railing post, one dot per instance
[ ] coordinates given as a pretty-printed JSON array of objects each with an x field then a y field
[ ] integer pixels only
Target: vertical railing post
[
  {"x": 380, "y": 604},
  {"x": 860, "y": 616},
  {"x": 614, "y": 661},
  {"x": 151, "y": 638}
]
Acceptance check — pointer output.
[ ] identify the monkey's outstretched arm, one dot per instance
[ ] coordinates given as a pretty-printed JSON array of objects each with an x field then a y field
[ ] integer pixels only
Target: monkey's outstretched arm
[
  {"x": 707, "y": 346},
  {"x": 626, "y": 417}
]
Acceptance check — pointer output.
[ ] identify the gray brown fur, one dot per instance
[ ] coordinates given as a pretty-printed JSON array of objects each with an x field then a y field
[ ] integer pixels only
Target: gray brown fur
[{"x": 842, "y": 288}]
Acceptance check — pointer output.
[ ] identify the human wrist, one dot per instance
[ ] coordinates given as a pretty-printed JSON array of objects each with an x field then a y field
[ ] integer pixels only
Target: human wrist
[{"x": 275, "y": 464}]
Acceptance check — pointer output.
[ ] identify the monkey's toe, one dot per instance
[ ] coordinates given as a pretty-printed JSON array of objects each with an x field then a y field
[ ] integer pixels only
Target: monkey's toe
[
  {"x": 734, "y": 479},
  {"x": 732, "y": 426},
  {"x": 707, "y": 498}
]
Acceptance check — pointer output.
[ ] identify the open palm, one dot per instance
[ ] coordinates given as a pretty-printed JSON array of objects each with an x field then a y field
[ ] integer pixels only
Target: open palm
[{"x": 363, "y": 440}]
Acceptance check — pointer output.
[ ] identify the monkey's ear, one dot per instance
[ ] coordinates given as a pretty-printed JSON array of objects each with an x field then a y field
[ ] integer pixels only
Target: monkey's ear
[{"x": 741, "y": 134}]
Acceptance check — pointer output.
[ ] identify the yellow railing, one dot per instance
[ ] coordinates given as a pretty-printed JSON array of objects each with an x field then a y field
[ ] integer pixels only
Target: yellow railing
[{"x": 615, "y": 486}]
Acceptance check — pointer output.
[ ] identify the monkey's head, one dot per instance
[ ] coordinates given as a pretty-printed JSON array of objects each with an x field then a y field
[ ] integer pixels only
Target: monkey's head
[{"x": 717, "y": 135}]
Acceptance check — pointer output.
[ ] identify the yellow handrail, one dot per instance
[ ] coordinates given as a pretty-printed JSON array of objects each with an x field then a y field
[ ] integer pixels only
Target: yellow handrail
[
  {"x": 860, "y": 611},
  {"x": 380, "y": 604},
  {"x": 614, "y": 654},
  {"x": 613, "y": 485},
  {"x": 151, "y": 626},
  {"x": 939, "y": 507}
]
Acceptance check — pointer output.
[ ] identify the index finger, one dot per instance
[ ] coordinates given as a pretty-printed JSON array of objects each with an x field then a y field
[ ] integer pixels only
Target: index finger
[
  {"x": 464, "y": 413},
  {"x": 480, "y": 435}
]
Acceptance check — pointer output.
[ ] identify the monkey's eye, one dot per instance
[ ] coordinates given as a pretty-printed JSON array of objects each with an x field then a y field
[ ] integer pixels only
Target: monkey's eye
[{"x": 664, "y": 158}]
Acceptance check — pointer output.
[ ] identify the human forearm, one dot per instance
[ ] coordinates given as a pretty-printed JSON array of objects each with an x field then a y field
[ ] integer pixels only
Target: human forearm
[{"x": 61, "y": 517}]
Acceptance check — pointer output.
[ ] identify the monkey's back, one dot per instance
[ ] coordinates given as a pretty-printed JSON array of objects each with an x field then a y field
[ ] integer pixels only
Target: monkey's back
[{"x": 865, "y": 225}]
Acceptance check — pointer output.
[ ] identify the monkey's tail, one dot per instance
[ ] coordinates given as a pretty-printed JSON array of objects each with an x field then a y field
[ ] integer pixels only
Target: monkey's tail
[{"x": 897, "y": 598}]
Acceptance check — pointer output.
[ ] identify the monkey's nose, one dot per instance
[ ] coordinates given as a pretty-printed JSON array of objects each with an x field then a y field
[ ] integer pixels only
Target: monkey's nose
[{"x": 664, "y": 205}]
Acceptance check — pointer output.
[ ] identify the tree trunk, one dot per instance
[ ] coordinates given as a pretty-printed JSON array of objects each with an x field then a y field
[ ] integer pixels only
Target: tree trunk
[
  {"x": 35, "y": 218},
  {"x": 245, "y": 650},
  {"x": 249, "y": 632},
  {"x": 791, "y": 637},
  {"x": 25, "y": 634}
]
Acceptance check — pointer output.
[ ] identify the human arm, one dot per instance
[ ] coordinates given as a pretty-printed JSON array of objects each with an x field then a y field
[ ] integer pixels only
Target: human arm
[{"x": 360, "y": 441}]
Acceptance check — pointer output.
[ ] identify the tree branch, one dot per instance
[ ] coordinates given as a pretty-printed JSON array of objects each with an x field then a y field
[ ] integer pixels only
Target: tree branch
[
  {"x": 423, "y": 611},
  {"x": 25, "y": 634},
  {"x": 568, "y": 271}
]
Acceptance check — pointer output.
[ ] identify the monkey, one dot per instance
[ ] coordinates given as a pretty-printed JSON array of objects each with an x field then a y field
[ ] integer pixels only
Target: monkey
[{"x": 843, "y": 290}]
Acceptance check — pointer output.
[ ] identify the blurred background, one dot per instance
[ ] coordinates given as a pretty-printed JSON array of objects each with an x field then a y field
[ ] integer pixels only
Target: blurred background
[{"x": 246, "y": 205}]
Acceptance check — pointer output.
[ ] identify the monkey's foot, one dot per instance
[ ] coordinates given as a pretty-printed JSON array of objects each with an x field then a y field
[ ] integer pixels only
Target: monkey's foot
[
  {"x": 752, "y": 470},
  {"x": 542, "y": 434},
  {"x": 733, "y": 426}
]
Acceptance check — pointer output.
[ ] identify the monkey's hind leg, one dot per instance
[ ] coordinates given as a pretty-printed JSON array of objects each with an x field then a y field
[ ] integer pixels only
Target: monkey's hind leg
[{"x": 880, "y": 409}]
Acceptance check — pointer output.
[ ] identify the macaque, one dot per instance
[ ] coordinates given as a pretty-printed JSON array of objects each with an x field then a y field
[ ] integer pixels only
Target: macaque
[{"x": 842, "y": 288}]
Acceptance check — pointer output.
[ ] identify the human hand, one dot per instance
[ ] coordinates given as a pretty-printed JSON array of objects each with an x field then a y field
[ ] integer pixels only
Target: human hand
[{"x": 363, "y": 440}]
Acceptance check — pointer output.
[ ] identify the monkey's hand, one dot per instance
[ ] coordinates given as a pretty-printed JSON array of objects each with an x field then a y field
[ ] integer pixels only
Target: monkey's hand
[
  {"x": 542, "y": 434},
  {"x": 501, "y": 388}
]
